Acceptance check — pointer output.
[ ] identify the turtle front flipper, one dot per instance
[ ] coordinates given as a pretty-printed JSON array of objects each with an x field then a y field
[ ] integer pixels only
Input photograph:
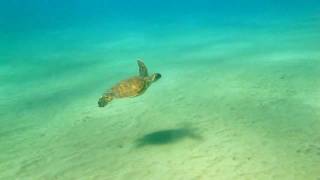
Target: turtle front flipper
[{"x": 143, "y": 71}]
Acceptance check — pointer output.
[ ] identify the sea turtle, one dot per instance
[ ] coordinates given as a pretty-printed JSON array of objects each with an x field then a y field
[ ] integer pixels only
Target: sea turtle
[{"x": 130, "y": 87}]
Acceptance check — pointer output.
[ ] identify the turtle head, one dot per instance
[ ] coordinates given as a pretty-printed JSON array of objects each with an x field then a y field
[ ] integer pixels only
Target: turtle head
[
  {"x": 104, "y": 100},
  {"x": 155, "y": 76}
]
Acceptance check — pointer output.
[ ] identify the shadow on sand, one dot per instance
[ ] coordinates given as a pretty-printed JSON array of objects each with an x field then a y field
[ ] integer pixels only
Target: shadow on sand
[{"x": 166, "y": 137}]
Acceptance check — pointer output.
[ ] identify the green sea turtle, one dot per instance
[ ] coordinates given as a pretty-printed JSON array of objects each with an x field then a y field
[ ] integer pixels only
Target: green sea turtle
[{"x": 130, "y": 87}]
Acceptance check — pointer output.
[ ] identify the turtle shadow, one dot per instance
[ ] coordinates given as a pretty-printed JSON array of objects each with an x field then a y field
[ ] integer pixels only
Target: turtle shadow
[{"x": 166, "y": 136}]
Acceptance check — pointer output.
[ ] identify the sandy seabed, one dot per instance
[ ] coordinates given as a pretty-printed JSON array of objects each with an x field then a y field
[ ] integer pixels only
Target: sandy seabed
[{"x": 239, "y": 106}]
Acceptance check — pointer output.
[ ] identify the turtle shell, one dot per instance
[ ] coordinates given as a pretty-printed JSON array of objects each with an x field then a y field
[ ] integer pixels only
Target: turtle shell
[{"x": 129, "y": 88}]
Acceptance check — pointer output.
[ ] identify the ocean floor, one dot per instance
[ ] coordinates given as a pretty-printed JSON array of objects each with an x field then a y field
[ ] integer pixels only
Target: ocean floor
[{"x": 231, "y": 104}]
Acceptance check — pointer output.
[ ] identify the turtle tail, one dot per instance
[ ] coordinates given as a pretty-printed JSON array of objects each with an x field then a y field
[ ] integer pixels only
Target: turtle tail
[{"x": 105, "y": 99}]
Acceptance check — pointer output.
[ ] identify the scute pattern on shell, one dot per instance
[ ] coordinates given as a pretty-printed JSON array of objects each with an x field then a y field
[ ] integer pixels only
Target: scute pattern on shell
[{"x": 129, "y": 87}]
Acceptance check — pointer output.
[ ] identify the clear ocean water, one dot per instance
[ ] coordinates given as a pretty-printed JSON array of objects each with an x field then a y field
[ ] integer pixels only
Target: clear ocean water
[{"x": 239, "y": 96}]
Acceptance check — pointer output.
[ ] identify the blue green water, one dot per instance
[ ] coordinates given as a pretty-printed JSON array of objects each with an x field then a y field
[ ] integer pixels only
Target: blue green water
[{"x": 239, "y": 96}]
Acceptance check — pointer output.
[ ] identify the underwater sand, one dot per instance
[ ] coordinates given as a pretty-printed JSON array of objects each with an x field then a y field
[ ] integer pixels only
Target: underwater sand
[{"x": 231, "y": 104}]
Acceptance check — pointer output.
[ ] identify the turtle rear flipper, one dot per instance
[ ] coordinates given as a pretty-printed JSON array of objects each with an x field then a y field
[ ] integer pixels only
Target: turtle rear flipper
[
  {"x": 105, "y": 99},
  {"x": 143, "y": 71}
]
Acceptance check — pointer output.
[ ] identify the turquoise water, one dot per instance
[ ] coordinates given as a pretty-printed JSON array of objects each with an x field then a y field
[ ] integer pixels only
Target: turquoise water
[{"x": 239, "y": 96}]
